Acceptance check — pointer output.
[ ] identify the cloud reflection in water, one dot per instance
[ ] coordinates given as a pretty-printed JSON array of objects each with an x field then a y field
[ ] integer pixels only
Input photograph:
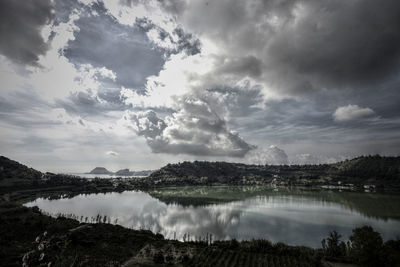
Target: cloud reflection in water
[{"x": 291, "y": 219}]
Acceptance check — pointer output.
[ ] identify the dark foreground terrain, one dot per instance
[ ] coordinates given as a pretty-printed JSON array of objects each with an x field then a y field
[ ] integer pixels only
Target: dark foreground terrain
[{"x": 29, "y": 238}]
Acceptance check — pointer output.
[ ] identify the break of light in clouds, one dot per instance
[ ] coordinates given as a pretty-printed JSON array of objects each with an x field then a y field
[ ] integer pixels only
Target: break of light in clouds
[{"x": 137, "y": 84}]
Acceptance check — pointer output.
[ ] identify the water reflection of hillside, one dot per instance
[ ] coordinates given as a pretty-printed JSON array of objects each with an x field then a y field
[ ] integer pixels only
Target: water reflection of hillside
[
  {"x": 295, "y": 217},
  {"x": 373, "y": 205}
]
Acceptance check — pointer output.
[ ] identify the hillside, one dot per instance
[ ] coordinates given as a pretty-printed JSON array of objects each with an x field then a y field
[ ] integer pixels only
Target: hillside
[
  {"x": 127, "y": 172},
  {"x": 375, "y": 170},
  {"x": 19, "y": 181},
  {"x": 13, "y": 173},
  {"x": 376, "y": 167},
  {"x": 382, "y": 172}
]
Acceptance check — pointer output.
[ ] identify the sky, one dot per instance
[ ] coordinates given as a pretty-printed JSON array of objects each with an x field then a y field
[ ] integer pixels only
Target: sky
[{"x": 138, "y": 84}]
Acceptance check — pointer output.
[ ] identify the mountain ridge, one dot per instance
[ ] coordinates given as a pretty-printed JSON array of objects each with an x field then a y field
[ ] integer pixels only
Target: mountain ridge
[
  {"x": 366, "y": 170},
  {"x": 375, "y": 170}
]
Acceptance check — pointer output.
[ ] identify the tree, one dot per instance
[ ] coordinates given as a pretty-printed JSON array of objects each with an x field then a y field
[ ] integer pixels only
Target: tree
[
  {"x": 366, "y": 246},
  {"x": 391, "y": 253},
  {"x": 334, "y": 247},
  {"x": 158, "y": 258}
]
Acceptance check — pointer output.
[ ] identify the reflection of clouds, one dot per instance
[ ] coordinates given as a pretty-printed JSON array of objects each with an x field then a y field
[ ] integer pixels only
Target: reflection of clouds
[
  {"x": 199, "y": 221},
  {"x": 290, "y": 219}
]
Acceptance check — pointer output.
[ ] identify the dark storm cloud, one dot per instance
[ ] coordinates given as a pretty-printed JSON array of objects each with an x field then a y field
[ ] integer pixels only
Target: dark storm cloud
[
  {"x": 21, "y": 23},
  {"x": 248, "y": 65},
  {"x": 338, "y": 44},
  {"x": 303, "y": 46},
  {"x": 102, "y": 42}
]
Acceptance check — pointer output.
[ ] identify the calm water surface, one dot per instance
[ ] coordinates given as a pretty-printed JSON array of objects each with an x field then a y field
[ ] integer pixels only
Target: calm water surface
[
  {"x": 107, "y": 176},
  {"x": 292, "y": 216}
]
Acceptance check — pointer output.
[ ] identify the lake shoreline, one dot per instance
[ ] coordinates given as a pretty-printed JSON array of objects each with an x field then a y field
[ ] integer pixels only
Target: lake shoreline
[
  {"x": 86, "y": 242},
  {"x": 26, "y": 233},
  {"x": 138, "y": 255},
  {"x": 217, "y": 206},
  {"x": 34, "y": 238},
  {"x": 73, "y": 186}
]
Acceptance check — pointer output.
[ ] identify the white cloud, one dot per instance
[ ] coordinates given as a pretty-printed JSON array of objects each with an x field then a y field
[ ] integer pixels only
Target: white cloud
[
  {"x": 272, "y": 155},
  {"x": 352, "y": 113},
  {"x": 112, "y": 153},
  {"x": 194, "y": 129},
  {"x": 180, "y": 75}
]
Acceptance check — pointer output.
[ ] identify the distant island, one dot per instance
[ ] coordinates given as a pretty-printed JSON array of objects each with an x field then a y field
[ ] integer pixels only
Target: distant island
[
  {"x": 122, "y": 172},
  {"x": 100, "y": 170}
]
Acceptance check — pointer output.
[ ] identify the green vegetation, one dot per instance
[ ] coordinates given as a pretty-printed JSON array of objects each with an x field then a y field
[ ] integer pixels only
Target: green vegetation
[
  {"x": 370, "y": 167},
  {"x": 255, "y": 253},
  {"x": 365, "y": 248},
  {"x": 371, "y": 172}
]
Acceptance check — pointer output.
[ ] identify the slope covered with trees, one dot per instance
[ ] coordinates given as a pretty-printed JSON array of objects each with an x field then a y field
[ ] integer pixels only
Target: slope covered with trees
[
  {"x": 372, "y": 170},
  {"x": 370, "y": 167}
]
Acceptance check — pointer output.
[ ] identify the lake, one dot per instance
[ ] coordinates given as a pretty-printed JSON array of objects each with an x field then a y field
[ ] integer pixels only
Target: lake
[
  {"x": 105, "y": 176},
  {"x": 292, "y": 216}
]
